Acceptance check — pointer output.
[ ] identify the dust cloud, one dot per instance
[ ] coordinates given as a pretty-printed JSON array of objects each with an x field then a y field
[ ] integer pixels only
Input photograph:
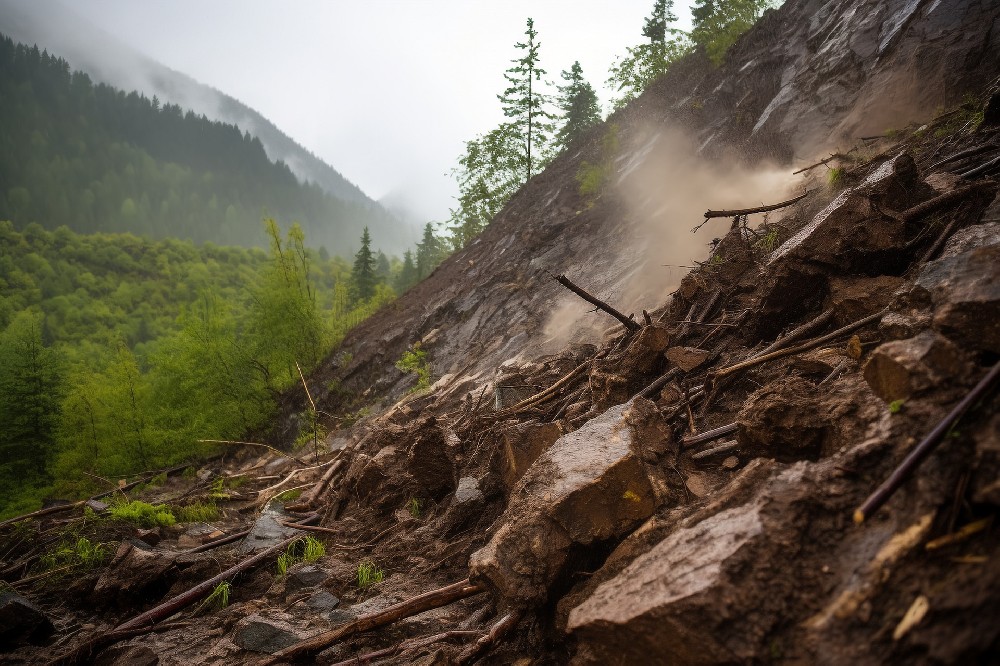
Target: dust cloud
[{"x": 665, "y": 187}]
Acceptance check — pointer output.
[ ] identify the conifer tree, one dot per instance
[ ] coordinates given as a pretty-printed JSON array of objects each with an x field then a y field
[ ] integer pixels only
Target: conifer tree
[
  {"x": 429, "y": 252},
  {"x": 363, "y": 275},
  {"x": 578, "y": 103},
  {"x": 646, "y": 62},
  {"x": 717, "y": 25},
  {"x": 524, "y": 102},
  {"x": 407, "y": 276}
]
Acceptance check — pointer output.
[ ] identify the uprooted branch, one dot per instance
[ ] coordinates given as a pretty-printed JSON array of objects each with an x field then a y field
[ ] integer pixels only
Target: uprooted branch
[
  {"x": 477, "y": 649},
  {"x": 920, "y": 210},
  {"x": 629, "y": 324},
  {"x": 748, "y": 211},
  {"x": 925, "y": 447},
  {"x": 418, "y": 604}
]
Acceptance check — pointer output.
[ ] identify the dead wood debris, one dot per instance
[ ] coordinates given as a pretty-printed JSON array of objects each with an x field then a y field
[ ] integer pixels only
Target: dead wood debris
[{"x": 629, "y": 323}]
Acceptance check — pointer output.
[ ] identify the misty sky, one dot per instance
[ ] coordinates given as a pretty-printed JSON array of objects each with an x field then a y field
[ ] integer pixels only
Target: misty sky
[{"x": 386, "y": 91}]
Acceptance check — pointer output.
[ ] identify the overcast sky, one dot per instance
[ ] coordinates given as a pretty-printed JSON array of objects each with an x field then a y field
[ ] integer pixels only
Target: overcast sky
[{"x": 386, "y": 91}]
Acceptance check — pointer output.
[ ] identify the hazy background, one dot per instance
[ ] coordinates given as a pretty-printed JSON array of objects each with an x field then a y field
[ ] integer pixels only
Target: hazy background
[{"x": 385, "y": 91}]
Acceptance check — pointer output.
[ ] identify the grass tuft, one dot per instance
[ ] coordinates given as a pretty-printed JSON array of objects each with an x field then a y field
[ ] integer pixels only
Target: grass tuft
[
  {"x": 369, "y": 574},
  {"x": 200, "y": 512},
  {"x": 142, "y": 514}
]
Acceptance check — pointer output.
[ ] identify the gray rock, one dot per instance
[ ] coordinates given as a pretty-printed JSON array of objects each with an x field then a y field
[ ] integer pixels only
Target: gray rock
[
  {"x": 969, "y": 238},
  {"x": 258, "y": 634},
  {"x": 267, "y": 531},
  {"x": 22, "y": 621},
  {"x": 304, "y": 577},
  {"x": 589, "y": 486},
  {"x": 468, "y": 491},
  {"x": 322, "y": 601}
]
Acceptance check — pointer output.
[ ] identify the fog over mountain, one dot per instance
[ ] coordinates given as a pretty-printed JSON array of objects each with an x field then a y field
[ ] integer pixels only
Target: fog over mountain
[{"x": 74, "y": 38}]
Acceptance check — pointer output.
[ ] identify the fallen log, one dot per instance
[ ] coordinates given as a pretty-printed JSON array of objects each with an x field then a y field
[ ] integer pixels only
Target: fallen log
[
  {"x": 763, "y": 358},
  {"x": 925, "y": 447},
  {"x": 309, "y": 499},
  {"x": 797, "y": 333},
  {"x": 709, "y": 435},
  {"x": 982, "y": 168},
  {"x": 302, "y": 523},
  {"x": 479, "y": 648},
  {"x": 650, "y": 391},
  {"x": 709, "y": 214},
  {"x": 630, "y": 324},
  {"x": 418, "y": 604},
  {"x": 978, "y": 150},
  {"x": 918, "y": 211},
  {"x": 406, "y": 646},
  {"x": 549, "y": 392}
]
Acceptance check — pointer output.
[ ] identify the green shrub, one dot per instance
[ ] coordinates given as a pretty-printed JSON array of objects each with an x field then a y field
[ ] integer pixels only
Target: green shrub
[
  {"x": 310, "y": 548},
  {"x": 83, "y": 552},
  {"x": 142, "y": 514},
  {"x": 415, "y": 507},
  {"x": 836, "y": 176},
  {"x": 415, "y": 361},
  {"x": 369, "y": 574},
  {"x": 200, "y": 512}
]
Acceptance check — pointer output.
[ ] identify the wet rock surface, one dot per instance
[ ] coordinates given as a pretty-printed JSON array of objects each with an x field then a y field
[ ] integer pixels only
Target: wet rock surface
[{"x": 21, "y": 621}]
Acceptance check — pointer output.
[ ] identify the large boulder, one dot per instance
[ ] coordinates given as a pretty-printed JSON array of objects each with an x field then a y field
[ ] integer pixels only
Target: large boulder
[
  {"x": 587, "y": 487},
  {"x": 902, "y": 369}
]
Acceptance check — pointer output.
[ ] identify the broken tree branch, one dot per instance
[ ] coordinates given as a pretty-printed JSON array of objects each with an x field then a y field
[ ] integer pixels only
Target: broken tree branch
[
  {"x": 630, "y": 324},
  {"x": 806, "y": 346},
  {"x": 715, "y": 450},
  {"x": 406, "y": 646},
  {"x": 797, "y": 333},
  {"x": 759, "y": 209},
  {"x": 709, "y": 435},
  {"x": 982, "y": 168},
  {"x": 265, "y": 446},
  {"x": 309, "y": 499},
  {"x": 477, "y": 649},
  {"x": 833, "y": 156},
  {"x": 918, "y": 211},
  {"x": 978, "y": 150},
  {"x": 418, "y": 604},
  {"x": 547, "y": 393},
  {"x": 925, "y": 447}
]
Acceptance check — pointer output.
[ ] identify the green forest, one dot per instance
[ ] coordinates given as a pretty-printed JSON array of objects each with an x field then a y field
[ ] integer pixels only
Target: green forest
[
  {"x": 143, "y": 304},
  {"x": 94, "y": 158}
]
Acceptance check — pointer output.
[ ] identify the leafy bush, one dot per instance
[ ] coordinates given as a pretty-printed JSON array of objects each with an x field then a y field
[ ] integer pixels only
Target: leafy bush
[
  {"x": 415, "y": 361},
  {"x": 142, "y": 514}
]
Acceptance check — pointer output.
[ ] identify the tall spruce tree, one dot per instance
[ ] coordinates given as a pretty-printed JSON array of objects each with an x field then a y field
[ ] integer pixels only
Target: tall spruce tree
[
  {"x": 407, "y": 276},
  {"x": 363, "y": 274},
  {"x": 647, "y": 61},
  {"x": 524, "y": 102},
  {"x": 578, "y": 104},
  {"x": 430, "y": 251}
]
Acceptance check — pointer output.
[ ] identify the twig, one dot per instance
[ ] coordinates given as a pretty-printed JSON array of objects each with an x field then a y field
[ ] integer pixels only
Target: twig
[
  {"x": 709, "y": 435},
  {"x": 657, "y": 384},
  {"x": 715, "y": 450},
  {"x": 324, "y": 530},
  {"x": 833, "y": 373},
  {"x": 982, "y": 168},
  {"x": 964, "y": 153},
  {"x": 550, "y": 391},
  {"x": 406, "y": 646},
  {"x": 312, "y": 404},
  {"x": 757, "y": 360},
  {"x": 959, "y": 536},
  {"x": 266, "y": 446},
  {"x": 480, "y": 647},
  {"x": 797, "y": 333},
  {"x": 918, "y": 211},
  {"x": 630, "y": 324},
  {"x": 408, "y": 608},
  {"x": 44, "y": 574},
  {"x": 759, "y": 209},
  {"x": 309, "y": 499},
  {"x": 925, "y": 447}
]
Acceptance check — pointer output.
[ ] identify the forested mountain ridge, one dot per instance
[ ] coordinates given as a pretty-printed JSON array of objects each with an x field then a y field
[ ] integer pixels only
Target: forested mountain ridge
[
  {"x": 95, "y": 158},
  {"x": 119, "y": 65}
]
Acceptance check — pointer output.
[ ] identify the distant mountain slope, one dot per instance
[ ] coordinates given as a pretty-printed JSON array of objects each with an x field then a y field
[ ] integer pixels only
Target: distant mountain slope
[
  {"x": 114, "y": 62},
  {"x": 97, "y": 159}
]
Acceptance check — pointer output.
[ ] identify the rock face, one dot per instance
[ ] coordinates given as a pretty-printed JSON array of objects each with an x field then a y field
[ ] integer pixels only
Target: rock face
[{"x": 588, "y": 487}]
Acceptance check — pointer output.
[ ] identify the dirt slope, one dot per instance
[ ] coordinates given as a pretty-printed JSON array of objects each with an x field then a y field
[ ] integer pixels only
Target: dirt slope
[{"x": 568, "y": 467}]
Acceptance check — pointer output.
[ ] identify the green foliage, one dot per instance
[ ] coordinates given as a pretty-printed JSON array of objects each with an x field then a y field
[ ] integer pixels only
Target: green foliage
[
  {"x": 592, "y": 178},
  {"x": 578, "y": 106},
  {"x": 496, "y": 164},
  {"x": 95, "y": 159},
  {"x": 896, "y": 406},
  {"x": 199, "y": 512},
  {"x": 80, "y": 553},
  {"x": 407, "y": 276},
  {"x": 312, "y": 550},
  {"x": 142, "y": 514},
  {"x": 369, "y": 574},
  {"x": 289, "y": 495},
  {"x": 646, "y": 62},
  {"x": 718, "y": 24},
  {"x": 835, "y": 176},
  {"x": 363, "y": 276},
  {"x": 303, "y": 550},
  {"x": 768, "y": 240},
  {"x": 415, "y": 507},
  {"x": 219, "y": 598},
  {"x": 414, "y": 360}
]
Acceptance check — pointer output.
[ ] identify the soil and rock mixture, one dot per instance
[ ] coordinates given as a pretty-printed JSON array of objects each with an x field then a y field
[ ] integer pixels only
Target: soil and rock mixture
[{"x": 704, "y": 483}]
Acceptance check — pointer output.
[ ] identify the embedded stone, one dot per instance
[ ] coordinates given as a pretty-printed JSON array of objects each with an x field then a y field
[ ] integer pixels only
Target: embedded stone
[{"x": 903, "y": 368}]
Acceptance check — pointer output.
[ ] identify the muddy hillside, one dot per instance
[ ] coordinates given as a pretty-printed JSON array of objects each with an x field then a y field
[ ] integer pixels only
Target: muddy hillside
[{"x": 774, "y": 440}]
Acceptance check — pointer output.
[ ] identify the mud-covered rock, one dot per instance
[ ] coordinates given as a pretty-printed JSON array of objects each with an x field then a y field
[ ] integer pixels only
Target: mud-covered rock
[
  {"x": 901, "y": 369},
  {"x": 127, "y": 655},
  {"x": 792, "y": 419},
  {"x": 260, "y": 634},
  {"x": 853, "y": 298},
  {"x": 136, "y": 571},
  {"x": 965, "y": 292},
  {"x": 687, "y": 358},
  {"x": 21, "y": 621},
  {"x": 267, "y": 530},
  {"x": 430, "y": 461},
  {"x": 969, "y": 238},
  {"x": 305, "y": 576},
  {"x": 901, "y": 325},
  {"x": 522, "y": 444},
  {"x": 587, "y": 487}
]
